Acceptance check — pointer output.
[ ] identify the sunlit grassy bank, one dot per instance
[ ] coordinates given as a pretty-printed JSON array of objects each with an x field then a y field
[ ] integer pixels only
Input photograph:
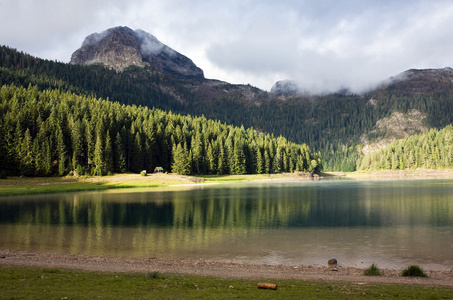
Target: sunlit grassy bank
[
  {"x": 37, "y": 283},
  {"x": 21, "y": 186},
  {"x": 29, "y": 185}
]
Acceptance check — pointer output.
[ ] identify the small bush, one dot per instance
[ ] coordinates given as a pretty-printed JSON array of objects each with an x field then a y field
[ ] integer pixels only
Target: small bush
[
  {"x": 153, "y": 275},
  {"x": 413, "y": 271},
  {"x": 373, "y": 270},
  {"x": 143, "y": 173},
  {"x": 80, "y": 170}
]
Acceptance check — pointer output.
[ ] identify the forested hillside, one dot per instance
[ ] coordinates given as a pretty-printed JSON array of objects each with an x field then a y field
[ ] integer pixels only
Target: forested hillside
[
  {"x": 51, "y": 132},
  {"x": 429, "y": 150},
  {"x": 332, "y": 124}
]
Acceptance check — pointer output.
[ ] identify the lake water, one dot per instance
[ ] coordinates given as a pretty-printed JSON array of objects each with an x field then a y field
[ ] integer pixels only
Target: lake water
[{"x": 391, "y": 223}]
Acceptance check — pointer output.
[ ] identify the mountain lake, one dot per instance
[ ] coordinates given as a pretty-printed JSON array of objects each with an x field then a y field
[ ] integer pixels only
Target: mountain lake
[{"x": 392, "y": 223}]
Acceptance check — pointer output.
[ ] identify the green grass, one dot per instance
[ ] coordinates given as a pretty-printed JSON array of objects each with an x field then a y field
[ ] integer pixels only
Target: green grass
[
  {"x": 19, "y": 186},
  {"x": 43, "y": 185},
  {"x": 34, "y": 283},
  {"x": 40, "y": 185},
  {"x": 372, "y": 270},
  {"x": 413, "y": 271}
]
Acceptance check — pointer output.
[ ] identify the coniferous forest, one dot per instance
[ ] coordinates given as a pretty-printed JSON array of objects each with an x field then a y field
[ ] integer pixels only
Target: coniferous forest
[
  {"x": 429, "y": 150},
  {"x": 331, "y": 125},
  {"x": 49, "y": 132}
]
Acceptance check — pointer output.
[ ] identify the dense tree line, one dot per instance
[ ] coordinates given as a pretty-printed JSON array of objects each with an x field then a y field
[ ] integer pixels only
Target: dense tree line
[
  {"x": 429, "y": 150},
  {"x": 134, "y": 86},
  {"x": 50, "y": 132},
  {"x": 331, "y": 124}
]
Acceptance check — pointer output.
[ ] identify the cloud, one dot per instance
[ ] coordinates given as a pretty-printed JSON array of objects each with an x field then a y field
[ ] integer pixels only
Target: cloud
[
  {"x": 150, "y": 44},
  {"x": 350, "y": 46},
  {"x": 323, "y": 45}
]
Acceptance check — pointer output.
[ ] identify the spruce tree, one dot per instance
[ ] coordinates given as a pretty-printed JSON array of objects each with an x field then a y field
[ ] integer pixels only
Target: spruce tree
[
  {"x": 267, "y": 162},
  {"x": 212, "y": 159},
  {"x": 108, "y": 153},
  {"x": 61, "y": 150},
  {"x": 137, "y": 153},
  {"x": 238, "y": 161},
  {"x": 181, "y": 162},
  {"x": 277, "y": 163},
  {"x": 99, "y": 156},
  {"x": 77, "y": 143},
  {"x": 259, "y": 162},
  {"x": 27, "y": 167},
  {"x": 222, "y": 161},
  {"x": 118, "y": 157}
]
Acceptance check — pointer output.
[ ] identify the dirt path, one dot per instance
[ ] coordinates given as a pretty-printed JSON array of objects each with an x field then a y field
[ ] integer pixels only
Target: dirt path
[{"x": 216, "y": 269}]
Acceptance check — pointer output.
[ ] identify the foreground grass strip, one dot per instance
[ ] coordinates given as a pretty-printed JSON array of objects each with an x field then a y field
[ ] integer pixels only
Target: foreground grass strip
[{"x": 34, "y": 283}]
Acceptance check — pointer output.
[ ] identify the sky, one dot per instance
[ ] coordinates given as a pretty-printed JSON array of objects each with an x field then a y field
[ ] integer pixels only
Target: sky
[{"x": 323, "y": 45}]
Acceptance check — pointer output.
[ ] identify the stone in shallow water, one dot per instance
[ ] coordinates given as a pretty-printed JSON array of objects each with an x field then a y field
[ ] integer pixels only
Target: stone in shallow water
[{"x": 332, "y": 262}]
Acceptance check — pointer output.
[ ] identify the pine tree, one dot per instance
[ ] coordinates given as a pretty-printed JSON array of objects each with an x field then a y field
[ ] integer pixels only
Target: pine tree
[
  {"x": 137, "y": 154},
  {"x": 61, "y": 150},
  {"x": 267, "y": 162},
  {"x": 99, "y": 156},
  {"x": 212, "y": 159},
  {"x": 181, "y": 163},
  {"x": 197, "y": 147},
  {"x": 221, "y": 161},
  {"x": 118, "y": 157},
  {"x": 77, "y": 143},
  {"x": 27, "y": 167},
  {"x": 108, "y": 153},
  {"x": 239, "y": 162},
  {"x": 259, "y": 162},
  {"x": 48, "y": 158},
  {"x": 277, "y": 163},
  {"x": 90, "y": 136}
]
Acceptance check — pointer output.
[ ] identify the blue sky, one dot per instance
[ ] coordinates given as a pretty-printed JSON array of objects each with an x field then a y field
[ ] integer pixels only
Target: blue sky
[{"x": 323, "y": 45}]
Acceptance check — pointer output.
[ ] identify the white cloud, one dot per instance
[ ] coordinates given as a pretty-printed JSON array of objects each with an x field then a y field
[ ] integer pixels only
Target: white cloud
[{"x": 322, "y": 44}]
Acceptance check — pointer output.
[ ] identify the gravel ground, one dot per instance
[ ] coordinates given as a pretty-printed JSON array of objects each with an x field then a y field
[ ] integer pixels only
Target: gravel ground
[{"x": 216, "y": 269}]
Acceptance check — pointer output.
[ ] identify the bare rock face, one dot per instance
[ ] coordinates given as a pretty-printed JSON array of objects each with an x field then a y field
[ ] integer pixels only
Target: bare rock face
[
  {"x": 287, "y": 87},
  {"x": 396, "y": 126},
  {"x": 121, "y": 47}
]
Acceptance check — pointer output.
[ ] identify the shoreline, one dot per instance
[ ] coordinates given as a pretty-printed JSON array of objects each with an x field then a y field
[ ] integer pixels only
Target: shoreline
[
  {"x": 215, "y": 269},
  {"x": 407, "y": 174},
  {"x": 39, "y": 185}
]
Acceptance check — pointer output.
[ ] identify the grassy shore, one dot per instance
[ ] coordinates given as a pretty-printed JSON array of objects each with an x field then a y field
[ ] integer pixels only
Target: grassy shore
[
  {"x": 26, "y": 185},
  {"x": 30, "y": 185},
  {"x": 37, "y": 283}
]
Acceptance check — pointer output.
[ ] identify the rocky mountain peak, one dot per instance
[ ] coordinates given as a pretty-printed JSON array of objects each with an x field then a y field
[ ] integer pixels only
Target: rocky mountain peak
[
  {"x": 121, "y": 47},
  {"x": 288, "y": 87}
]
